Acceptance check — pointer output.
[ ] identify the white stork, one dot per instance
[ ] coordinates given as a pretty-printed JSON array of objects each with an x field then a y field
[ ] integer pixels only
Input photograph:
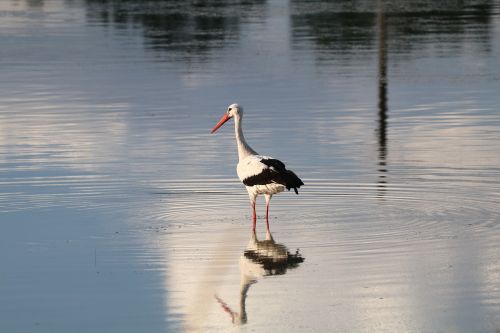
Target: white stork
[{"x": 260, "y": 174}]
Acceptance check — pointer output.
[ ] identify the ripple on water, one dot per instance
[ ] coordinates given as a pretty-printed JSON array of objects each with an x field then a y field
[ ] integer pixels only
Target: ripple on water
[
  {"x": 432, "y": 209},
  {"x": 415, "y": 238},
  {"x": 71, "y": 191}
]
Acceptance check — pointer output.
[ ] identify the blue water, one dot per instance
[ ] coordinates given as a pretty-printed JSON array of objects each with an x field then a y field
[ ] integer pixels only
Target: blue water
[{"x": 119, "y": 212}]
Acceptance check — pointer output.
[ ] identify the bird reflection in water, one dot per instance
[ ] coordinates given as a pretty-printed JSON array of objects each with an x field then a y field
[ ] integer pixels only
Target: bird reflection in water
[{"x": 260, "y": 258}]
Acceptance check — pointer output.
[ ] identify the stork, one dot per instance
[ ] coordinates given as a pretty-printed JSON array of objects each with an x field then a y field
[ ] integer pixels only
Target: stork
[{"x": 260, "y": 174}]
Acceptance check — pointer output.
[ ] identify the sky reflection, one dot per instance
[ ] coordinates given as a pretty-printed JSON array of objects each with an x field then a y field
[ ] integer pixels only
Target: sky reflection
[{"x": 114, "y": 192}]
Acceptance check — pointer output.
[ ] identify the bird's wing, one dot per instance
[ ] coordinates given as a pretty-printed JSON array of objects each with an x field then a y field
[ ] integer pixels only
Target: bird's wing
[
  {"x": 249, "y": 167},
  {"x": 261, "y": 170}
]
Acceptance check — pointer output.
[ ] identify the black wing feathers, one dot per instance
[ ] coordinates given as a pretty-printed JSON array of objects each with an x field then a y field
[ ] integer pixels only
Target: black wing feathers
[
  {"x": 274, "y": 163},
  {"x": 275, "y": 173}
]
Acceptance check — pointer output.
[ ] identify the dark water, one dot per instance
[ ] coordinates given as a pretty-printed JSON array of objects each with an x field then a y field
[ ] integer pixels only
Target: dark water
[{"x": 119, "y": 212}]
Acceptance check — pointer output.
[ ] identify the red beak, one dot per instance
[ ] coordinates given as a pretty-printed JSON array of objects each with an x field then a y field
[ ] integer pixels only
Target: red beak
[{"x": 221, "y": 122}]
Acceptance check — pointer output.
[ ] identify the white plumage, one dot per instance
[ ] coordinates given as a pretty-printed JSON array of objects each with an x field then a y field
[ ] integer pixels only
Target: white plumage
[
  {"x": 252, "y": 166},
  {"x": 260, "y": 174}
]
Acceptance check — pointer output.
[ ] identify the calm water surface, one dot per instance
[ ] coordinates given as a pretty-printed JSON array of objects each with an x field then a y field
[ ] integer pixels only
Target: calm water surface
[{"x": 119, "y": 212}]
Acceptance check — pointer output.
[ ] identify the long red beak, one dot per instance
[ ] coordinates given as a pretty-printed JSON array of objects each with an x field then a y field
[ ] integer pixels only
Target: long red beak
[{"x": 221, "y": 122}]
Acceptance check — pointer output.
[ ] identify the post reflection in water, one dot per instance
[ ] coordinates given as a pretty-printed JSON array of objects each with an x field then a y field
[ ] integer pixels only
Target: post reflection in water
[
  {"x": 382, "y": 99},
  {"x": 260, "y": 258}
]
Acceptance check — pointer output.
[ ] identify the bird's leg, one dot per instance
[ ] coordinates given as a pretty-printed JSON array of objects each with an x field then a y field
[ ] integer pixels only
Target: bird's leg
[
  {"x": 253, "y": 197},
  {"x": 268, "y": 199},
  {"x": 254, "y": 216}
]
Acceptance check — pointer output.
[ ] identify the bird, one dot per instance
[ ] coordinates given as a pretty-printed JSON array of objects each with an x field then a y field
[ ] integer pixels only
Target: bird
[{"x": 260, "y": 174}]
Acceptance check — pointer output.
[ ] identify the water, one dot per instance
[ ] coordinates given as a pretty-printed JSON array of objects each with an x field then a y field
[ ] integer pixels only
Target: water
[{"x": 121, "y": 213}]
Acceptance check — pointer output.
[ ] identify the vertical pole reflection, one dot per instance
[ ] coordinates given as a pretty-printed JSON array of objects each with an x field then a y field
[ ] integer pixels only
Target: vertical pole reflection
[{"x": 382, "y": 99}]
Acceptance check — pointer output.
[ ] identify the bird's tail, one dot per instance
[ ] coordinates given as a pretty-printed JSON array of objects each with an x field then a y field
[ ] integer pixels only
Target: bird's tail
[{"x": 292, "y": 181}]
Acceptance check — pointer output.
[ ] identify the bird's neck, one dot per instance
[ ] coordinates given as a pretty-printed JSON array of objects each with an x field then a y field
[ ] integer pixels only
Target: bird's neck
[
  {"x": 245, "y": 284},
  {"x": 244, "y": 149}
]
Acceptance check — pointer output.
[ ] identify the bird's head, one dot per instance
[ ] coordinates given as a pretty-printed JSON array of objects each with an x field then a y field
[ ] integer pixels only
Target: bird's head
[{"x": 232, "y": 111}]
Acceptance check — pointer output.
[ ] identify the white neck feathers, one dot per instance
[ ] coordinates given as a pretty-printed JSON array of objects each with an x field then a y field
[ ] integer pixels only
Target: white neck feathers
[{"x": 244, "y": 149}]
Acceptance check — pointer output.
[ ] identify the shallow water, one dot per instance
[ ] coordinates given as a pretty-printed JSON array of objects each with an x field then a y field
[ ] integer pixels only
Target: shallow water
[{"x": 120, "y": 212}]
